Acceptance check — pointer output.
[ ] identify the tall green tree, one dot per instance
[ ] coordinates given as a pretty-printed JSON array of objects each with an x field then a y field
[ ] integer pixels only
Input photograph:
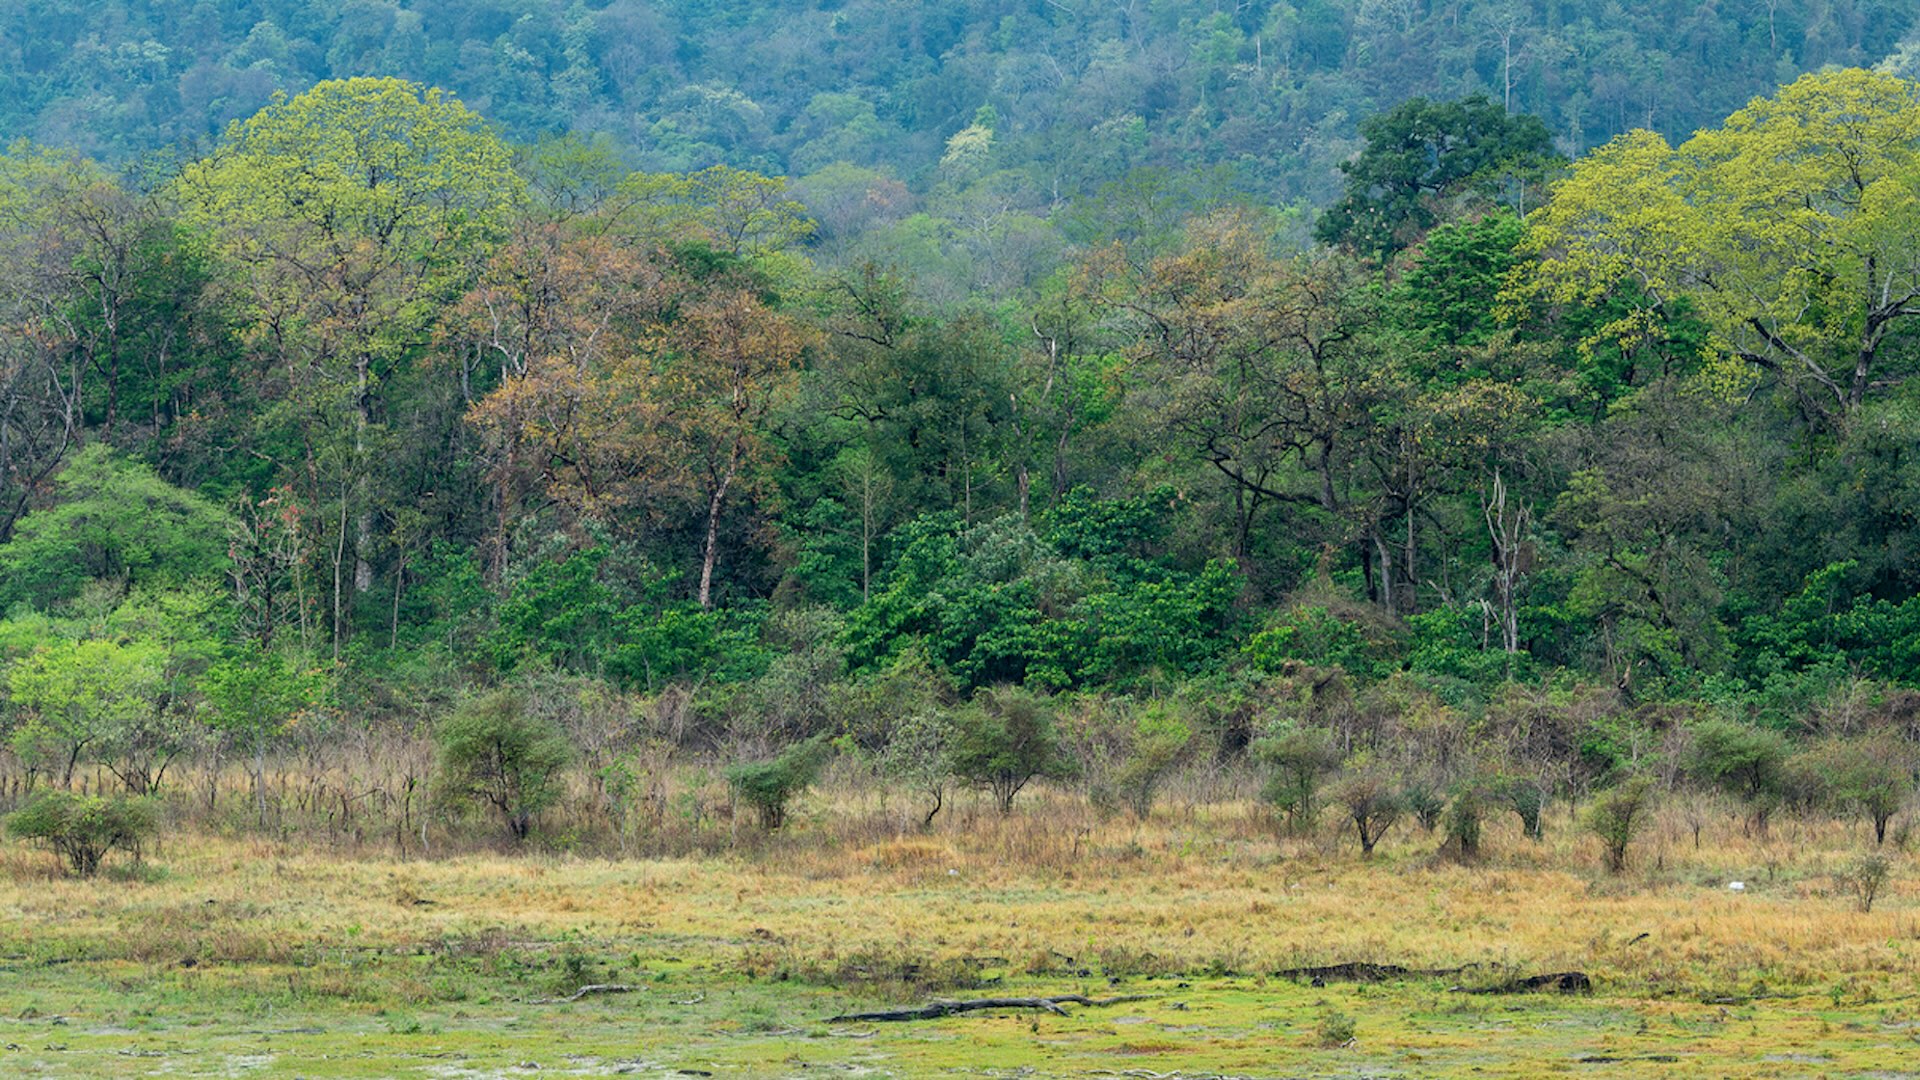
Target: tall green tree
[
  {"x": 1422, "y": 153},
  {"x": 112, "y": 520},
  {"x": 1790, "y": 228},
  {"x": 78, "y": 701},
  {"x": 349, "y": 215}
]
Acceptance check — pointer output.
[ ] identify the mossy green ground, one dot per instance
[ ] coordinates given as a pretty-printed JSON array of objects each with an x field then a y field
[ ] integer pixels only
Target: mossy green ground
[
  {"x": 236, "y": 957},
  {"x": 123, "y": 1021}
]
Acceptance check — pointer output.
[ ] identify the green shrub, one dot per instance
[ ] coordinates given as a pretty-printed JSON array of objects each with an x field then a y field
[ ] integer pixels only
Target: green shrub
[
  {"x": 1004, "y": 740},
  {"x": 1465, "y": 817},
  {"x": 496, "y": 751},
  {"x": 1300, "y": 757},
  {"x": 82, "y": 829},
  {"x": 1617, "y": 816},
  {"x": 1159, "y": 741},
  {"x": 1335, "y": 1029},
  {"x": 1870, "y": 777},
  {"x": 1425, "y": 801},
  {"x": 768, "y": 786},
  {"x": 1320, "y": 636},
  {"x": 1526, "y": 796},
  {"x": 1748, "y": 762}
]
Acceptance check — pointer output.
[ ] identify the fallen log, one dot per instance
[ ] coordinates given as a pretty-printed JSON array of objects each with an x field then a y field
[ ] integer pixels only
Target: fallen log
[
  {"x": 1360, "y": 971},
  {"x": 1566, "y": 982},
  {"x": 948, "y": 1007},
  {"x": 586, "y": 991}
]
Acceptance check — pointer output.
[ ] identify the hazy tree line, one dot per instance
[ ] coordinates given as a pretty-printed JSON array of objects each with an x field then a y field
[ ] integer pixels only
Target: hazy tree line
[
  {"x": 368, "y": 424},
  {"x": 1082, "y": 91}
]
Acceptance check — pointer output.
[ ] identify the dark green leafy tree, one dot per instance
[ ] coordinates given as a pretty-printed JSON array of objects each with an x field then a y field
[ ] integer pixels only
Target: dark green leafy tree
[
  {"x": 1004, "y": 740},
  {"x": 1747, "y": 762},
  {"x": 90, "y": 701},
  {"x": 1421, "y": 153},
  {"x": 115, "y": 520},
  {"x": 496, "y": 750},
  {"x": 83, "y": 829},
  {"x": 769, "y": 786},
  {"x": 1527, "y": 797}
]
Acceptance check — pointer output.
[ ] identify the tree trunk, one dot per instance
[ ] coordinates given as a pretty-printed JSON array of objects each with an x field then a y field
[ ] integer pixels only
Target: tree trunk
[
  {"x": 260, "y": 777},
  {"x": 712, "y": 549},
  {"x": 363, "y": 523}
]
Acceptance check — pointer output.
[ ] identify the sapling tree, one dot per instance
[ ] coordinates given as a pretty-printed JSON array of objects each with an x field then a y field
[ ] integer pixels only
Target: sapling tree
[
  {"x": 84, "y": 700},
  {"x": 1527, "y": 797},
  {"x": 497, "y": 750},
  {"x": 918, "y": 756},
  {"x": 1425, "y": 800},
  {"x": 256, "y": 697},
  {"x": 1004, "y": 740},
  {"x": 1301, "y": 758},
  {"x": 769, "y": 786},
  {"x": 1465, "y": 817},
  {"x": 1368, "y": 795},
  {"x": 1618, "y": 815},
  {"x": 1158, "y": 742},
  {"x": 1745, "y": 761},
  {"x": 1871, "y": 778}
]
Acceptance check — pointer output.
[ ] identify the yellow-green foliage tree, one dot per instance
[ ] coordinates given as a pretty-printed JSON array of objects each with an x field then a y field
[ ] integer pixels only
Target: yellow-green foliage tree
[
  {"x": 1791, "y": 228},
  {"x": 350, "y": 215},
  {"x": 80, "y": 700}
]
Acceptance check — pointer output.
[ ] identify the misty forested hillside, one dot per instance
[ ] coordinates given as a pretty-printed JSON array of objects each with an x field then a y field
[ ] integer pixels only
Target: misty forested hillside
[
  {"x": 1083, "y": 89},
  {"x": 620, "y": 536},
  {"x": 787, "y": 372}
]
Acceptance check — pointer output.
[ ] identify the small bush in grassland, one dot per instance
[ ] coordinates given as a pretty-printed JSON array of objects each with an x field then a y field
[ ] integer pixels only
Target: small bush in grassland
[
  {"x": 1466, "y": 817},
  {"x": 82, "y": 829},
  {"x": 1005, "y": 739},
  {"x": 1871, "y": 778},
  {"x": 1617, "y": 816},
  {"x": 497, "y": 751},
  {"x": 1367, "y": 794},
  {"x": 1334, "y": 1029},
  {"x": 916, "y": 758},
  {"x": 1300, "y": 758},
  {"x": 1425, "y": 802},
  {"x": 768, "y": 786},
  {"x": 1865, "y": 877},
  {"x": 1159, "y": 741},
  {"x": 1526, "y": 796},
  {"x": 1745, "y": 761}
]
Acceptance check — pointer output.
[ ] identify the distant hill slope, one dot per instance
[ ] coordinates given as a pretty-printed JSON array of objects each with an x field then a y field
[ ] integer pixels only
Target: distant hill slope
[{"x": 1080, "y": 90}]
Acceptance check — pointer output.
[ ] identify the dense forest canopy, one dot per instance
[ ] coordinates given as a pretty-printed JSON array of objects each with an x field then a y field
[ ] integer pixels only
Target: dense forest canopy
[
  {"x": 1081, "y": 90},
  {"x": 787, "y": 361}
]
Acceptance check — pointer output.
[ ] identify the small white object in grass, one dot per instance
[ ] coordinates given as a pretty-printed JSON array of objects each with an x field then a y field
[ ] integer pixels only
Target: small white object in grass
[
  {"x": 1736, "y": 886},
  {"x": 953, "y": 873}
]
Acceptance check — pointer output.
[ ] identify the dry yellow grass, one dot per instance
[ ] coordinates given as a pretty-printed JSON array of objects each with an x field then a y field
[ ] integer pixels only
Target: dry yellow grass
[
  {"x": 1196, "y": 888},
  {"x": 851, "y": 904}
]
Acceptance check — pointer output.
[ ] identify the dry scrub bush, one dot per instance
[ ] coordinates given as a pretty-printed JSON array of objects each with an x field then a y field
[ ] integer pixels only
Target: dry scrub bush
[
  {"x": 83, "y": 829},
  {"x": 1617, "y": 816}
]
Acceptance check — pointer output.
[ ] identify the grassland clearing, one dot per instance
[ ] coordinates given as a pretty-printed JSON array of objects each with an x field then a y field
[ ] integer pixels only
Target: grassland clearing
[{"x": 233, "y": 956}]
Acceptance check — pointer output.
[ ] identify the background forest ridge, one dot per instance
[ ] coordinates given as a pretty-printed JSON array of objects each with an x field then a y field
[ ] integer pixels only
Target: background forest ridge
[{"x": 1501, "y": 395}]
